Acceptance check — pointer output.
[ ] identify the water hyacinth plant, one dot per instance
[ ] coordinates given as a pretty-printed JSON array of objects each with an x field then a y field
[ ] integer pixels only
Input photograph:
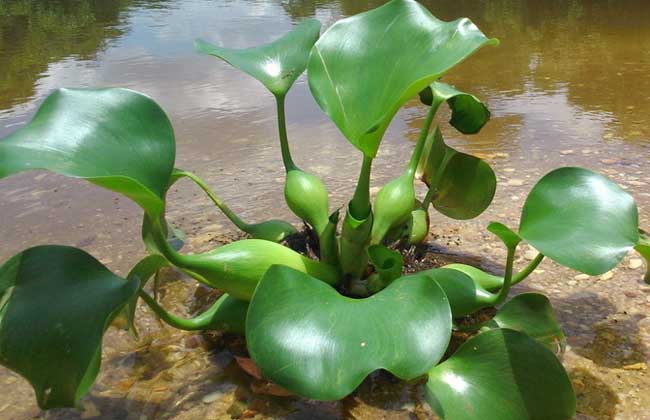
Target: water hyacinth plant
[{"x": 319, "y": 327}]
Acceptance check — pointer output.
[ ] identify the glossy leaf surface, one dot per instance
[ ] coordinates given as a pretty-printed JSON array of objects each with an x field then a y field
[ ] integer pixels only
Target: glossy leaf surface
[
  {"x": 532, "y": 314},
  {"x": 400, "y": 48},
  {"x": 277, "y": 64},
  {"x": 468, "y": 113},
  {"x": 116, "y": 138},
  {"x": 55, "y": 303},
  {"x": 580, "y": 219},
  {"x": 321, "y": 345},
  {"x": 501, "y": 374}
]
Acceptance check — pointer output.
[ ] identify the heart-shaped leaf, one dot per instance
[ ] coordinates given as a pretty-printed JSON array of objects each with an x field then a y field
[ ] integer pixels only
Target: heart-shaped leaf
[
  {"x": 55, "y": 304},
  {"x": 277, "y": 64},
  {"x": 399, "y": 48},
  {"x": 468, "y": 113},
  {"x": 501, "y": 374},
  {"x": 580, "y": 219},
  {"x": 464, "y": 184},
  {"x": 313, "y": 341},
  {"x": 116, "y": 138},
  {"x": 531, "y": 313}
]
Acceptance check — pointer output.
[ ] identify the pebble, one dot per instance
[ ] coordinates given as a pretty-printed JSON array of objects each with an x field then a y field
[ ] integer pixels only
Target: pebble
[
  {"x": 212, "y": 397},
  {"x": 566, "y": 152},
  {"x": 635, "y": 263},
  {"x": 572, "y": 282},
  {"x": 515, "y": 182},
  {"x": 530, "y": 254},
  {"x": 582, "y": 277},
  {"x": 636, "y": 366},
  {"x": 608, "y": 275}
]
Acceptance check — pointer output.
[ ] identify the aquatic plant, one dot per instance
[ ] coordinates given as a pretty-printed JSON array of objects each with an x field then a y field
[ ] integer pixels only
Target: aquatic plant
[{"x": 319, "y": 327}]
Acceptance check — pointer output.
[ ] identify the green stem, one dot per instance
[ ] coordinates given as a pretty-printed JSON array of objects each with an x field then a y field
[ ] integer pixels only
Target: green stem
[
  {"x": 157, "y": 232},
  {"x": 424, "y": 132},
  {"x": 507, "y": 278},
  {"x": 200, "y": 322},
  {"x": 360, "y": 203},
  {"x": 521, "y": 275},
  {"x": 282, "y": 131},
  {"x": 216, "y": 200},
  {"x": 646, "y": 278},
  {"x": 431, "y": 194}
]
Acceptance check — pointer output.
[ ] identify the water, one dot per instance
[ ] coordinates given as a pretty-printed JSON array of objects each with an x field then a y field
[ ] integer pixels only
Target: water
[{"x": 569, "y": 85}]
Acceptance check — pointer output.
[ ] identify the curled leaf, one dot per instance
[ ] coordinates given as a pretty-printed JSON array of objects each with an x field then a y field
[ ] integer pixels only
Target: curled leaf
[
  {"x": 116, "y": 138},
  {"x": 276, "y": 65},
  {"x": 362, "y": 107},
  {"x": 468, "y": 113}
]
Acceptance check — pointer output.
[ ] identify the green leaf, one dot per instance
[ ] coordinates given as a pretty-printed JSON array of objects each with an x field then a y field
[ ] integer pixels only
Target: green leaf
[
  {"x": 277, "y": 64},
  {"x": 465, "y": 295},
  {"x": 464, "y": 184},
  {"x": 116, "y": 138},
  {"x": 400, "y": 48},
  {"x": 580, "y": 219},
  {"x": 509, "y": 238},
  {"x": 468, "y": 113},
  {"x": 532, "y": 314},
  {"x": 55, "y": 304},
  {"x": 501, "y": 375},
  {"x": 313, "y": 341}
]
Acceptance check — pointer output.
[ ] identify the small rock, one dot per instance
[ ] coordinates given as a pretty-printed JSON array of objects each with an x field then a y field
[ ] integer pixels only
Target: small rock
[
  {"x": 608, "y": 275},
  {"x": 582, "y": 277},
  {"x": 212, "y": 397},
  {"x": 566, "y": 152},
  {"x": 636, "y": 366},
  {"x": 515, "y": 182},
  {"x": 635, "y": 263},
  {"x": 572, "y": 282},
  {"x": 508, "y": 169},
  {"x": 608, "y": 161},
  {"x": 530, "y": 254}
]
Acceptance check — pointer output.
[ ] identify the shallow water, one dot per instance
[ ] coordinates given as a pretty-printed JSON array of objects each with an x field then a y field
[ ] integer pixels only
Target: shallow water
[{"x": 569, "y": 85}]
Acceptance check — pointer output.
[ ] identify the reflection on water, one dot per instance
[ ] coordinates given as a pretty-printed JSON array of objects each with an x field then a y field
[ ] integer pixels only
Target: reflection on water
[{"x": 569, "y": 85}]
